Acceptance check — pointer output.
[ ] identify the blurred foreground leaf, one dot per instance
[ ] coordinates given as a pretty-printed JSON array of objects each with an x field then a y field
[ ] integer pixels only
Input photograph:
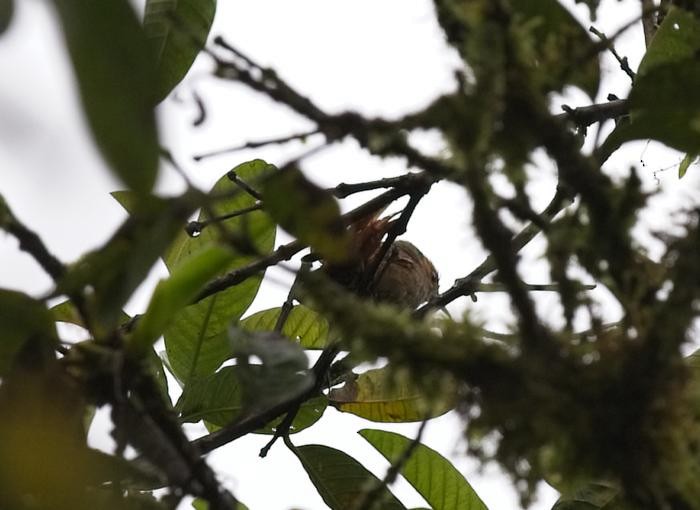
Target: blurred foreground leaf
[
  {"x": 308, "y": 212},
  {"x": 115, "y": 76},
  {"x": 177, "y": 30}
]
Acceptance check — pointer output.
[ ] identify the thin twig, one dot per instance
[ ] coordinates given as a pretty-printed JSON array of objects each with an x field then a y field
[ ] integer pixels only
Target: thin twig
[
  {"x": 398, "y": 228},
  {"x": 648, "y": 22},
  {"x": 194, "y": 228},
  {"x": 469, "y": 284},
  {"x": 257, "y": 144},
  {"x": 233, "y": 177},
  {"x": 624, "y": 64},
  {"x": 372, "y": 497},
  {"x": 499, "y": 287},
  {"x": 344, "y": 190}
]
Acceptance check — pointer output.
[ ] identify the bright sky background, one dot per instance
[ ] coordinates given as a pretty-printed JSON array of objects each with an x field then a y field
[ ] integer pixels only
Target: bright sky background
[{"x": 380, "y": 58}]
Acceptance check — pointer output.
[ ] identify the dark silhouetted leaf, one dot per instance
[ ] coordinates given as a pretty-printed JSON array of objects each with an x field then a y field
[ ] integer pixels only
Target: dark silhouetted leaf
[
  {"x": 677, "y": 39},
  {"x": 196, "y": 342},
  {"x": 7, "y": 9},
  {"x": 308, "y": 212},
  {"x": 341, "y": 480},
  {"x": 177, "y": 30},
  {"x": 115, "y": 75},
  {"x": 432, "y": 475},
  {"x": 22, "y": 318},
  {"x": 201, "y": 504},
  {"x": 593, "y": 496},
  {"x": 303, "y": 325},
  {"x": 385, "y": 395}
]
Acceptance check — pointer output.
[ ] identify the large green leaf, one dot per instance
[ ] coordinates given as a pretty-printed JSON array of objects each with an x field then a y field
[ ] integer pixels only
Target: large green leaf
[
  {"x": 22, "y": 318},
  {"x": 219, "y": 398},
  {"x": 196, "y": 342},
  {"x": 114, "y": 271},
  {"x": 433, "y": 476},
  {"x": 385, "y": 395},
  {"x": 340, "y": 480},
  {"x": 677, "y": 39},
  {"x": 303, "y": 325},
  {"x": 664, "y": 105},
  {"x": 308, "y": 212},
  {"x": 177, "y": 30},
  {"x": 115, "y": 76},
  {"x": 561, "y": 51}
]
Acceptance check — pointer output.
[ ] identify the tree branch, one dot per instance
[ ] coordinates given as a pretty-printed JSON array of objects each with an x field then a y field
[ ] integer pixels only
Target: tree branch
[
  {"x": 584, "y": 116},
  {"x": 30, "y": 242}
]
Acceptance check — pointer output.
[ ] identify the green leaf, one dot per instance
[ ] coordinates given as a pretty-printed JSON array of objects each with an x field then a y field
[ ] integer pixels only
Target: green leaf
[
  {"x": 385, "y": 395},
  {"x": 688, "y": 160},
  {"x": 561, "y": 51},
  {"x": 256, "y": 226},
  {"x": 22, "y": 318},
  {"x": 303, "y": 325},
  {"x": 196, "y": 342},
  {"x": 246, "y": 388},
  {"x": 663, "y": 103},
  {"x": 433, "y": 476},
  {"x": 115, "y": 76},
  {"x": 220, "y": 397},
  {"x": 592, "y": 496},
  {"x": 676, "y": 40},
  {"x": 176, "y": 292},
  {"x": 177, "y": 30},
  {"x": 341, "y": 480},
  {"x": 663, "y": 106},
  {"x": 309, "y": 213},
  {"x": 7, "y": 9},
  {"x": 114, "y": 271}
]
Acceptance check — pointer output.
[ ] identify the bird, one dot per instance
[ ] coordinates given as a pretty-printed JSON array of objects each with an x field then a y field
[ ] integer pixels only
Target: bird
[
  {"x": 407, "y": 278},
  {"x": 404, "y": 277}
]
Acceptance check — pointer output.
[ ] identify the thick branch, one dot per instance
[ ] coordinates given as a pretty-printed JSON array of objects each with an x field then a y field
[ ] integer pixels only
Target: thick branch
[{"x": 584, "y": 116}]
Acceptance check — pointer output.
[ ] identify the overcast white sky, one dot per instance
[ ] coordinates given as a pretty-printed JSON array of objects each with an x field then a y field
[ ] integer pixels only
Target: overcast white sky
[{"x": 380, "y": 58}]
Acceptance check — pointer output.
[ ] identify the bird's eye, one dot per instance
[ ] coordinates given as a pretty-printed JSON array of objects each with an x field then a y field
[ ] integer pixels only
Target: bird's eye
[{"x": 435, "y": 276}]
